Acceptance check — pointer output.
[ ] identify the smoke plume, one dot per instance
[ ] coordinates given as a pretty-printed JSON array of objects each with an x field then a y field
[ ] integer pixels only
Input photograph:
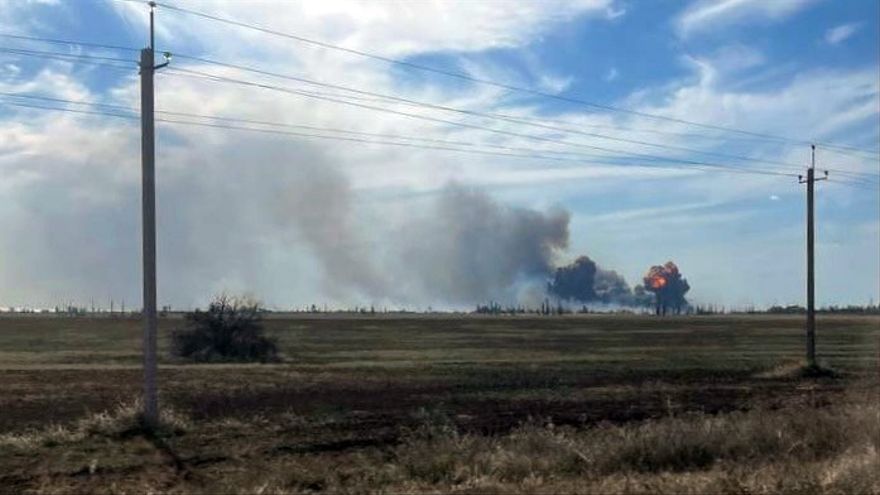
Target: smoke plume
[
  {"x": 583, "y": 281},
  {"x": 470, "y": 248},
  {"x": 576, "y": 281}
]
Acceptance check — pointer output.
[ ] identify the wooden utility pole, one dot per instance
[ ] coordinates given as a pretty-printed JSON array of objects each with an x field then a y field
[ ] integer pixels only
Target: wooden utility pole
[
  {"x": 811, "y": 279},
  {"x": 148, "y": 212}
]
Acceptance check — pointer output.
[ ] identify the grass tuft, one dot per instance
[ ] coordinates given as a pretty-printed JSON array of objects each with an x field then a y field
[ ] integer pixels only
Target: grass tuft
[{"x": 123, "y": 421}]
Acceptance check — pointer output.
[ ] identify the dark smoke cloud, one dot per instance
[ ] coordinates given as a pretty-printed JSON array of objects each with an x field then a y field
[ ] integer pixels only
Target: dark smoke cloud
[
  {"x": 611, "y": 288},
  {"x": 583, "y": 281},
  {"x": 576, "y": 281}
]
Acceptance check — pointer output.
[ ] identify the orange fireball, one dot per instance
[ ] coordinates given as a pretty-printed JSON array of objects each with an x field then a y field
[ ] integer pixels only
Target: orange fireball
[
  {"x": 668, "y": 286},
  {"x": 658, "y": 282}
]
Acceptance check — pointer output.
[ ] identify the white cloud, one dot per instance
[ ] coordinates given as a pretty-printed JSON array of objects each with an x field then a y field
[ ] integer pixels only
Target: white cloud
[
  {"x": 10, "y": 70},
  {"x": 612, "y": 74},
  {"x": 736, "y": 57},
  {"x": 391, "y": 28},
  {"x": 554, "y": 84},
  {"x": 842, "y": 32},
  {"x": 705, "y": 15},
  {"x": 613, "y": 13},
  {"x": 79, "y": 173}
]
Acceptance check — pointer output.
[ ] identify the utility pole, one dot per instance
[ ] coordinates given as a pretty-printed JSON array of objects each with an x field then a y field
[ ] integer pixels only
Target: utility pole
[
  {"x": 148, "y": 212},
  {"x": 811, "y": 279}
]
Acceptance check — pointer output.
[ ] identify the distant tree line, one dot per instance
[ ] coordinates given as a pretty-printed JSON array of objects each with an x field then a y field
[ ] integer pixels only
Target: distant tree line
[{"x": 546, "y": 308}]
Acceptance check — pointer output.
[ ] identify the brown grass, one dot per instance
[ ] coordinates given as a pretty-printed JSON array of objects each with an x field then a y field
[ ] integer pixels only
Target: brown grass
[
  {"x": 119, "y": 423},
  {"x": 793, "y": 450},
  {"x": 439, "y": 405}
]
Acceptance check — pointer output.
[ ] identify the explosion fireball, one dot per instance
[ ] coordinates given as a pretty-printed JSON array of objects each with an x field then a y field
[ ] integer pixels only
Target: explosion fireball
[{"x": 668, "y": 286}]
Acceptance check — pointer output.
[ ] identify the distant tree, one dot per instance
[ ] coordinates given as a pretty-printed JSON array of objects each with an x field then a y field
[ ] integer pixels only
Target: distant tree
[{"x": 230, "y": 330}]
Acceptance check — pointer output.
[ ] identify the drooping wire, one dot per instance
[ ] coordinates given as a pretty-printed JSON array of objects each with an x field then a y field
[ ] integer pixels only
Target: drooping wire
[
  {"x": 202, "y": 75},
  {"x": 505, "y": 86},
  {"x": 130, "y": 116},
  {"x": 868, "y": 186},
  {"x": 851, "y": 174},
  {"x": 848, "y": 150},
  {"x": 487, "y": 115},
  {"x": 70, "y": 57},
  {"x": 300, "y": 126},
  {"x": 67, "y": 42}
]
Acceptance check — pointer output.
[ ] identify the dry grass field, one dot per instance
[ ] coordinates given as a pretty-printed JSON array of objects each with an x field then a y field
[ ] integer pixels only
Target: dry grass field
[{"x": 438, "y": 404}]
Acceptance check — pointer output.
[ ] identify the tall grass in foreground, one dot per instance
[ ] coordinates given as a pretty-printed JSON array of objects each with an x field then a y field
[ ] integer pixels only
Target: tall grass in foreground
[
  {"x": 833, "y": 450},
  {"x": 796, "y": 450},
  {"x": 121, "y": 422}
]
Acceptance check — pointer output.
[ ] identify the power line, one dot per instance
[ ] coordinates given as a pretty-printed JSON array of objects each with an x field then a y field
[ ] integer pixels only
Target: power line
[
  {"x": 71, "y": 110},
  {"x": 696, "y": 135},
  {"x": 857, "y": 184},
  {"x": 518, "y": 119},
  {"x": 708, "y": 167},
  {"x": 203, "y": 75},
  {"x": 874, "y": 155},
  {"x": 41, "y": 53},
  {"x": 284, "y": 125},
  {"x": 73, "y": 55},
  {"x": 334, "y": 130},
  {"x": 299, "y": 134},
  {"x": 508, "y": 87},
  {"x": 494, "y": 116},
  {"x": 856, "y": 175},
  {"x": 296, "y": 126},
  {"x": 505, "y": 118},
  {"x": 848, "y": 150},
  {"x": 67, "y": 42},
  {"x": 64, "y": 57}
]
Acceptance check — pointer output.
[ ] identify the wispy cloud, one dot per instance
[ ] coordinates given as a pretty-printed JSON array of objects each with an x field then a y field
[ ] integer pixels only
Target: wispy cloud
[
  {"x": 841, "y": 33},
  {"x": 704, "y": 14},
  {"x": 393, "y": 28},
  {"x": 612, "y": 74},
  {"x": 613, "y": 13},
  {"x": 555, "y": 84}
]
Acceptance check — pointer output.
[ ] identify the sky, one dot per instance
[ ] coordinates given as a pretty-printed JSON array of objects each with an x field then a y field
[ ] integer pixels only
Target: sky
[{"x": 599, "y": 158}]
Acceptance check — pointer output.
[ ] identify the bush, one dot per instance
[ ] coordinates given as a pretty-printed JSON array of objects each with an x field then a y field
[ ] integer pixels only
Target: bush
[{"x": 230, "y": 330}]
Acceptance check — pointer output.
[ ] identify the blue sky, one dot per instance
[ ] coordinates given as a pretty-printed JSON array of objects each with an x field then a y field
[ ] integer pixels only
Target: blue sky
[{"x": 804, "y": 69}]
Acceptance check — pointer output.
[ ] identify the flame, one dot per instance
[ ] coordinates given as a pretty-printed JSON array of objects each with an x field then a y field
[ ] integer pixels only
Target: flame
[
  {"x": 657, "y": 282},
  {"x": 658, "y": 276}
]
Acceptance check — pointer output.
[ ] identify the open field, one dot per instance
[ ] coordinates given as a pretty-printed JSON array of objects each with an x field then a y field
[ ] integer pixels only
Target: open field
[{"x": 596, "y": 403}]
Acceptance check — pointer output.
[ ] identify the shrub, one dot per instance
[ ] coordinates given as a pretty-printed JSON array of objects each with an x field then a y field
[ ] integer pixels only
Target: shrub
[{"x": 230, "y": 330}]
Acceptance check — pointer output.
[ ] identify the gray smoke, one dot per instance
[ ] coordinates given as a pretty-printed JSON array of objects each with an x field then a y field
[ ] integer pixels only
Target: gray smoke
[
  {"x": 320, "y": 206},
  {"x": 460, "y": 248},
  {"x": 279, "y": 221},
  {"x": 611, "y": 287},
  {"x": 471, "y": 248}
]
